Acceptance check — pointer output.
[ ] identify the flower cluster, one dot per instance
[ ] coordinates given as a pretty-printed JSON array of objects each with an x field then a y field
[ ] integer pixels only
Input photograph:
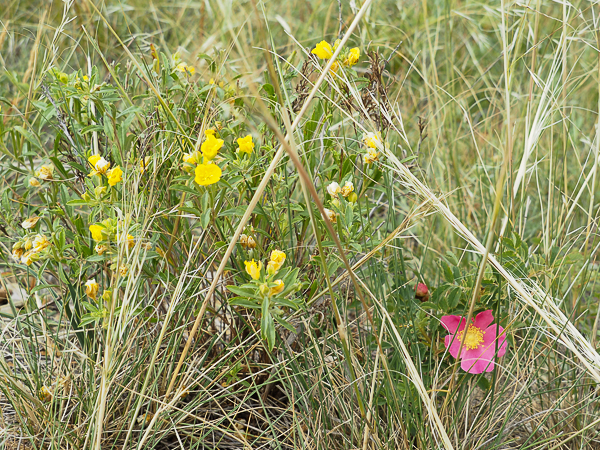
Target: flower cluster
[
  {"x": 335, "y": 190},
  {"x": 44, "y": 173},
  {"x": 101, "y": 166},
  {"x": 254, "y": 269},
  {"x": 110, "y": 231},
  {"x": 373, "y": 142},
  {"x": 206, "y": 171},
  {"x": 324, "y": 50},
  {"x": 31, "y": 248}
]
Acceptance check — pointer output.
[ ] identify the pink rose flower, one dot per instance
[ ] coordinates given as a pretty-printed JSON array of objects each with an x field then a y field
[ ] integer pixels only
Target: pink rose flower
[{"x": 479, "y": 349}]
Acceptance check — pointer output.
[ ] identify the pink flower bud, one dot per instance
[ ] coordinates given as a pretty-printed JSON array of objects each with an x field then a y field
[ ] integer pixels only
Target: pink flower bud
[{"x": 421, "y": 292}]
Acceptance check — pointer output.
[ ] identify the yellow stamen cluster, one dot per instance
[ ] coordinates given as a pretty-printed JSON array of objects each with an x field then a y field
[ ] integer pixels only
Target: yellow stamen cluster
[{"x": 473, "y": 338}]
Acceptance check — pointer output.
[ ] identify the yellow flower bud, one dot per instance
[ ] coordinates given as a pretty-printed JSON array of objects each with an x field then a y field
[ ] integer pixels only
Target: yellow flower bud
[
  {"x": 277, "y": 258},
  {"x": 99, "y": 191},
  {"x": 331, "y": 215},
  {"x": 352, "y": 197},
  {"x": 45, "y": 394},
  {"x": 34, "y": 182},
  {"x": 30, "y": 223},
  {"x": 144, "y": 164},
  {"x": 277, "y": 289},
  {"x": 91, "y": 289}
]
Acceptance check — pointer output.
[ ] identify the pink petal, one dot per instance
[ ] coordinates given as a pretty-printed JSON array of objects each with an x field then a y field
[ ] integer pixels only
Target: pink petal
[
  {"x": 454, "y": 344},
  {"x": 477, "y": 360},
  {"x": 482, "y": 359},
  {"x": 489, "y": 340},
  {"x": 453, "y": 323},
  {"x": 484, "y": 319}
]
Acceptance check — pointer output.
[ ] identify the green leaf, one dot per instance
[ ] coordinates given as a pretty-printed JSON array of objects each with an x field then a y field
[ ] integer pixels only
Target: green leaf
[
  {"x": 243, "y": 302},
  {"x": 183, "y": 188}
]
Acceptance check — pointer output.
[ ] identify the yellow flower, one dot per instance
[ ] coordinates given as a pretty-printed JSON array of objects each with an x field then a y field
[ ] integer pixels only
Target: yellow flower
[
  {"x": 45, "y": 172},
  {"x": 114, "y": 175},
  {"x": 331, "y": 215},
  {"x": 40, "y": 242},
  {"x": 99, "y": 164},
  {"x": 29, "y": 257},
  {"x": 192, "y": 158},
  {"x": 334, "y": 189},
  {"x": 253, "y": 269},
  {"x": 128, "y": 239},
  {"x": 96, "y": 231},
  {"x": 30, "y": 223},
  {"x": 323, "y": 50},
  {"x": 123, "y": 271},
  {"x": 353, "y": 56},
  {"x": 277, "y": 260},
  {"x": 183, "y": 67},
  {"x": 245, "y": 144},
  {"x": 209, "y": 132},
  {"x": 371, "y": 156},
  {"x": 144, "y": 164},
  {"x": 334, "y": 67},
  {"x": 347, "y": 189},
  {"x": 17, "y": 252},
  {"x": 210, "y": 147},
  {"x": 45, "y": 395},
  {"x": 34, "y": 182},
  {"x": 100, "y": 249},
  {"x": 91, "y": 289},
  {"x": 372, "y": 140},
  {"x": 277, "y": 289},
  {"x": 207, "y": 174}
]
